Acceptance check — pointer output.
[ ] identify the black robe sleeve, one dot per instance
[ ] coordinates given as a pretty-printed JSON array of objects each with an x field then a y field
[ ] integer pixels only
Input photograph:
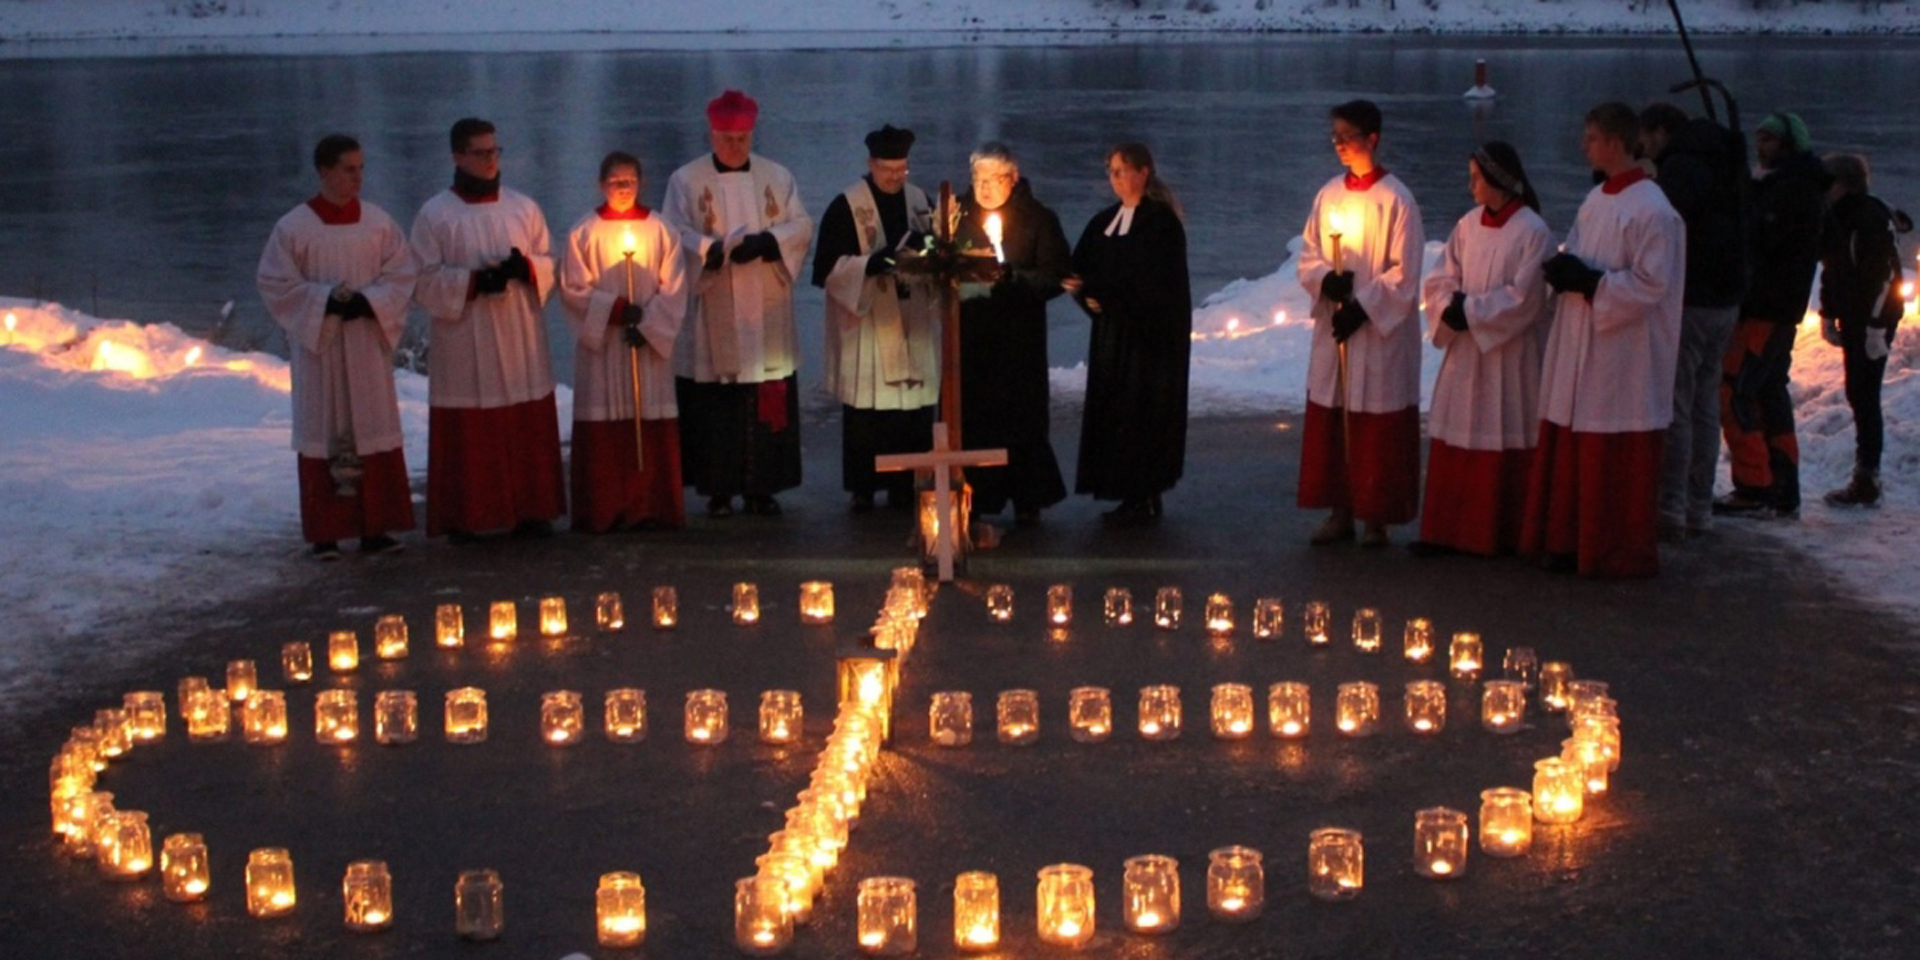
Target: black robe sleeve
[{"x": 837, "y": 239}]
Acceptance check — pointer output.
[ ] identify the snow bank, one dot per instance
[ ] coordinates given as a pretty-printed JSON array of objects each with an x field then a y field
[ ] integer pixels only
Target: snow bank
[{"x": 626, "y": 24}]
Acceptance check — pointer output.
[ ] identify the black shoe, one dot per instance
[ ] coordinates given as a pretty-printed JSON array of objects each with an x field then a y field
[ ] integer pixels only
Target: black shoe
[
  {"x": 862, "y": 503},
  {"x": 533, "y": 529},
  {"x": 719, "y": 507},
  {"x": 1741, "y": 505},
  {"x": 326, "y": 550},
  {"x": 1427, "y": 548},
  {"x": 1143, "y": 510},
  {"x": 380, "y": 543},
  {"x": 761, "y": 506}
]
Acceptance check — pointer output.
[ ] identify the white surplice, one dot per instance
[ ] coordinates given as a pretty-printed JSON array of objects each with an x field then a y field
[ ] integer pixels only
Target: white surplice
[
  {"x": 490, "y": 351},
  {"x": 594, "y": 273},
  {"x": 1487, "y": 394},
  {"x": 883, "y": 352},
  {"x": 1383, "y": 244}
]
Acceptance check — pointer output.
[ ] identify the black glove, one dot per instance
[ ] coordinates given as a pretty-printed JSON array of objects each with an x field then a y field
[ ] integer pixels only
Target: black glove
[
  {"x": 1455, "y": 315},
  {"x": 632, "y": 335},
  {"x": 881, "y": 262},
  {"x": 1348, "y": 320},
  {"x": 1337, "y": 286},
  {"x": 489, "y": 280},
  {"x": 357, "y": 307},
  {"x": 517, "y": 267},
  {"x": 1567, "y": 273},
  {"x": 756, "y": 246},
  {"x": 631, "y": 315},
  {"x": 715, "y": 256}
]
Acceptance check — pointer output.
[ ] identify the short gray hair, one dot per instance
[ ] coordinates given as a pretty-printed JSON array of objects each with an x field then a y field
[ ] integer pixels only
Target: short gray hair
[{"x": 996, "y": 152}]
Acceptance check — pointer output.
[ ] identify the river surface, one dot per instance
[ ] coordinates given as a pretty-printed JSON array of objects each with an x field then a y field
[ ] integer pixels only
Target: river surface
[{"x": 144, "y": 186}]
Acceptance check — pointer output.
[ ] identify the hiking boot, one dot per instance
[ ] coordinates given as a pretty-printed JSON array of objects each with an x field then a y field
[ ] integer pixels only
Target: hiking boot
[
  {"x": 326, "y": 550},
  {"x": 1862, "y": 491}
]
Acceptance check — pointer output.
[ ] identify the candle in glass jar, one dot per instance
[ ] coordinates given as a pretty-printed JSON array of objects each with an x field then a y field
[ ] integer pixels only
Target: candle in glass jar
[
  {"x": 816, "y": 602},
  {"x": 553, "y": 617},
  {"x": 1000, "y": 602},
  {"x": 123, "y": 845},
  {"x": 1503, "y": 706},
  {"x": 184, "y": 871},
  {"x": 1231, "y": 711},
  {"x": 449, "y": 626},
  {"x": 1522, "y": 664},
  {"x": 1166, "y": 608},
  {"x": 390, "y": 637},
  {"x": 1555, "y": 675},
  {"x": 1506, "y": 821},
  {"x": 367, "y": 894},
  {"x": 1316, "y": 622},
  {"x": 626, "y": 715},
  {"x": 1559, "y": 791},
  {"x": 1160, "y": 712},
  {"x": 976, "y": 910},
  {"x": 479, "y": 905},
  {"x": 780, "y": 716},
  {"x": 1439, "y": 843},
  {"x": 1269, "y": 618},
  {"x": 887, "y": 917},
  {"x": 1219, "y": 614},
  {"x": 1017, "y": 713},
  {"x": 1426, "y": 706},
  {"x": 1236, "y": 884},
  {"x": 785, "y": 863},
  {"x": 242, "y": 679},
  {"x": 1089, "y": 714},
  {"x": 1117, "y": 607},
  {"x": 343, "y": 651},
  {"x": 1605, "y": 731},
  {"x": 146, "y": 715},
  {"x": 609, "y": 614},
  {"x": 207, "y": 714},
  {"x": 263, "y": 718},
  {"x": 950, "y": 718},
  {"x": 1059, "y": 604},
  {"x": 270, "y": 891},
  {"x": 396, "y": 717},
  {"x": 562, "y": 717},
  {"x": 1065, "y": 905},
  {"x": 1465, "y": 657},
  {"x": 503, "y": 621},
  {"x": 1150, "y": 893},
  {"x": 706, "y": 716},
  {"x": 1336, "y": 863},
  {"x": 1366, "y": 630},
  {"x": 1582, "y": 695},
  {"x": 621, "y": 909},
  {"x": 666, "y": 607},
  {"x": 1417, "y": 641},
  {"x": 336, "y": 716},
  {"x": 296, "y": 662},
  {"x": 1589, "y": 758},
  {"x": 1357, "y": 708},
  {"x": 466, "y": 715},
  {"x": 746, "y": 603},
  {"x": 761, "y": 924}
]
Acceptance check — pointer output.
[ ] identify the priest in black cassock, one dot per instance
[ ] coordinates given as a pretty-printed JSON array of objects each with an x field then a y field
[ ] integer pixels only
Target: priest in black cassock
[
  {"x": 1130, "y": 273},
  {"x": 1003, "y": 339},
  {"x": 882, "y": 327}
]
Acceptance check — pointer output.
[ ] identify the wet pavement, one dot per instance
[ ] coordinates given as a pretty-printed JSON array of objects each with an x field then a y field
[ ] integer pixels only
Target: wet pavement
[{"x": 1765, "y": 807}]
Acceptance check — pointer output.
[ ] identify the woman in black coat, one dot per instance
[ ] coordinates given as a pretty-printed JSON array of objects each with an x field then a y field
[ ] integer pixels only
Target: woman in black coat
[
  {"x": 1130, "y": 273},
  {"x": 1859, "y": 308}
]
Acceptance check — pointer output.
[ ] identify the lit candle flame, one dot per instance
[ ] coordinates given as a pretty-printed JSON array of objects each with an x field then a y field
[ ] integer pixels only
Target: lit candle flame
[
  {"x": 12, "y": 321},
  {"x": 1069, "y": 928},
  {"x": 1232, "y": 904},
  {"x": 1290, "y": 728},
  {"x": 994, "y": 237},
  {"x": 627, "y": 243},
  {"x": 1336, "y": 222},
  {"x": 193, "y": 356},
  {"x": 1442, "y": 867}
]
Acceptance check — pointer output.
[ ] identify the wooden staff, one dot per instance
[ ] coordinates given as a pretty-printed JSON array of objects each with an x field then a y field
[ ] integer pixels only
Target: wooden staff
[{"x": 633, "y": 370}]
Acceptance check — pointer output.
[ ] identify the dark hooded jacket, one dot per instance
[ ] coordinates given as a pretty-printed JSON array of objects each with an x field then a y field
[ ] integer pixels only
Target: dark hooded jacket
[
  {"x": 1704, "y": 177},
  {"x": 1785, "y": 242}
]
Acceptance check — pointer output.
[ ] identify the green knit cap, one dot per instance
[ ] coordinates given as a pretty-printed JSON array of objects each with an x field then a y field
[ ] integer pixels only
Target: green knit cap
[{"x": 1789, "y": 128}]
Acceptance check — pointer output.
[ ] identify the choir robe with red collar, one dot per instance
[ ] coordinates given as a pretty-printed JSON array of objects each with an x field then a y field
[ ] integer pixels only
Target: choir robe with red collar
[
  {"x": 1378, "y": 478},
  {"x": 1485, "y": 415},
  {"x": 609, "y": 488},
  {"x": 493, "y": 456},
  {"x": 1607, "y": 386},
  {"x": 343, "y": 391}
]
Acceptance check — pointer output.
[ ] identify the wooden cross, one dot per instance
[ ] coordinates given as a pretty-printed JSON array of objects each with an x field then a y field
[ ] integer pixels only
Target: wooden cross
[{"x": 945, "y": 463}]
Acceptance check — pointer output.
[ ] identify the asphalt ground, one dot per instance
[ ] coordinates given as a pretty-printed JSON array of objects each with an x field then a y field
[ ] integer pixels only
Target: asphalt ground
[{"x": 1766, "y": 805}]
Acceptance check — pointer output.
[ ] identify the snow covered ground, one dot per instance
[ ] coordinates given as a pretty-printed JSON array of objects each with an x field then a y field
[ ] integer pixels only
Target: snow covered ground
[{"x": 852, "y": 23}]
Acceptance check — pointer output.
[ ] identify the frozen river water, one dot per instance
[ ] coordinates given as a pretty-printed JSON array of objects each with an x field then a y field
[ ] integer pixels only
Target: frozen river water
[{"x": 144, "y": 186}]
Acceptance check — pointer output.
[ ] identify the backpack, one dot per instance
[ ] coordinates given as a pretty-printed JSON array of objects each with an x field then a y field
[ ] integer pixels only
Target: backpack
[{"x": 1892, "y": 305}]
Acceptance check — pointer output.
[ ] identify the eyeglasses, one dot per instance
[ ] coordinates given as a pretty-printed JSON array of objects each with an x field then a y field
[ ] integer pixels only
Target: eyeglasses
[{"x": 491, "y": 153}]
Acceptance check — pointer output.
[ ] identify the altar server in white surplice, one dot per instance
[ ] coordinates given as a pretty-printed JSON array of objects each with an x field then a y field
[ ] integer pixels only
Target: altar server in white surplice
[
  {"x": 493, "y": 454},
  {"x": 1487, "y": 306},
  {"x": 883, "y": 328},
  {"x": 612, "y": 487},
  {"x": 744, "y": 233},
  {"x": 1606, "y": 389},
  {"x": 337, "y": 276},
  {"x": 1372, "y": 306}
]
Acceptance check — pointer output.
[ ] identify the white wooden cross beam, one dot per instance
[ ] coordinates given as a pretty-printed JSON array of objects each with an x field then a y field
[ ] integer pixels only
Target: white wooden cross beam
[{"x": 943, "y": 461}]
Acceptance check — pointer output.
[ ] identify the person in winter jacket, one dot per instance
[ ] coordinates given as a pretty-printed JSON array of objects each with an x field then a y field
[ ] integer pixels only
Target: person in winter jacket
[{"x": 1860, "y": 305}]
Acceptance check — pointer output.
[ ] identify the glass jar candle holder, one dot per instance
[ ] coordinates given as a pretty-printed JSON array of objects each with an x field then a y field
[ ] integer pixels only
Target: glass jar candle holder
[
  {"x": 1426, "y": 706},
  {"x": 1552, "y": 688},
  {"x": 950, "y": 718},
  {"x": 1506, "y": 821},
  {"x": 343, "y": 651},
  {"x": 479, "y": 905},
  {"x": 1219, "y": 614},
  {"x": 666, "y": 607},
  {"x": 185, "y": 871},
  {"x": 620, "y": 908},
  {"x": 1117, "y": 607},
  {"x": 390, "y": 637},
  {"x": 1606, "y": 732},
  {"x": 1503, "y": 706},
  {"x": 976, "y": 911},
  {"x": 1336, "y": 863},
  {"x": 888, "y": 917},
  {"x": 113, "y": 736},
  {"x": 1439, "y": 843},
  {"x": 609, "y": 613},
  {"x": 1416, "y": 642},
  {"x": 1356, "y": 710},
  {"x": 396, "y": 717},
  {"x": 146, "y": 715},
  {"x": 1017, "y": 716},
  {"x": 783, "y": 863},
  {"x": 1166, "y": 608},
  {"x": 1000, "y": 602},
  {"x": 86, "y": 811},
  {"x": 207, "y": 714},
  {"x": 780, "y": 716},
  {"x": 503, "y": 621},
  {"x": 367, "y": 894},
  {"x": 242, "y": 679},
  {"x": 1089, "y": 714},
  {"x": 563, "y": 718},
  {"x": 1236, "y": 884},
  {"x": 706, "y": 716},
  {"x": 296, "y": 662},
  {"x": 1559, "y": 791},
  {"x": 1316, "y": 622},
  {"x": 269, "y": 876},
  {"x": 1465, "y": 657},
  {"x": 1366, "y": 630},
  {"x": 1269, "y": 618},
  {"x": 1159, "y": 712},
  {"x": 625, "y": 718},
  {"x": 123, "y": 845},
  {"x": 1522, "y": 664},
  {"x": 1064, "y": 901},
  {"x": 762, "y": 926},
  {"x": 816, "y": 602},
  {"x": 1231, "y": 711},
  {"x": 1059, "y": 606},
  {"x": 449, "y": 626},
  {"x": 336, "y": 716},
  {"x": 553, "y": 617},
  {"x": 263, "y": 718},
  {"x": 1150, "y": 894},
  {"x": 746, "y": 604},
  {"x": 187, "y": 686},
  {"x": 1589, "y": 757},
  {"x": 466, "y": 715},
  {"x": 1582, "y": 695},
  {"x": 1289, "y": 709}
]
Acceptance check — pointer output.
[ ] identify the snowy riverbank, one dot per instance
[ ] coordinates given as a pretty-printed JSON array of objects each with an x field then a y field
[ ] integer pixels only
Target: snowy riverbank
[{"x": 653, "y": 24}]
